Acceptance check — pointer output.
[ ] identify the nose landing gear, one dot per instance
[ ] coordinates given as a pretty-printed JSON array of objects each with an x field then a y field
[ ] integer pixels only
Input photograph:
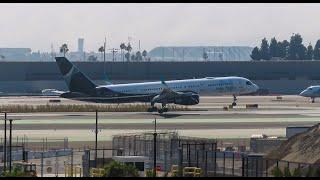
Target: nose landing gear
[
  {"x": 312, "y": 100},
  {"x": 234, "y": 100}
]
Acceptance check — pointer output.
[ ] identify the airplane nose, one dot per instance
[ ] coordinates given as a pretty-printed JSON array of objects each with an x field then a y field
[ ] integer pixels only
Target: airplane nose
[
  {"x": 256, "y": 88},
  {"x": 302, "y": 93}
]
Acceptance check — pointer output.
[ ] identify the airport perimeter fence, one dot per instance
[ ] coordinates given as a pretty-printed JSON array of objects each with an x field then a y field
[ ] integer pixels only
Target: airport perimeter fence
[
  {"x": 226, "y": 163},
  {"x": 52, "y": 157},
  {"x": 57, "y": 163}
]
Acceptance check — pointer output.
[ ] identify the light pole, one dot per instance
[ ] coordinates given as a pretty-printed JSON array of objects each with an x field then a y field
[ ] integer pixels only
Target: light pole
[
  {"x": 5, "y": 142},
  {"x": 182, "y": 54},
  {"x": 96, "y": 145},
  {"x": 104, "y": 56},
  {"x": 10, "y": 146},
  {"x": 113, "y": 50},
  {"x": 155, "y": 148}
]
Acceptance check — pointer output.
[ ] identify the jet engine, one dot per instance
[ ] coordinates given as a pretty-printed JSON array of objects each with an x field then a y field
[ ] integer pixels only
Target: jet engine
[
  {"x": 181, "y": 99},
  {"x": 187, "y": 99}
]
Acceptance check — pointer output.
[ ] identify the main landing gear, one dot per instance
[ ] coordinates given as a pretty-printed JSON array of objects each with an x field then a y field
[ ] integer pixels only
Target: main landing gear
[
  {"x": 234, "y": 100},
  {"x": 160, "y": 111},
  {"x": 312, "y": 100}
]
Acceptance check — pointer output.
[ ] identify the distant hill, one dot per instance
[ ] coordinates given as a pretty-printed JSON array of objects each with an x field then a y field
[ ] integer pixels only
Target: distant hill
[
  {"x": 303, "y": 147},
  {"x": 195, "y": 53}
]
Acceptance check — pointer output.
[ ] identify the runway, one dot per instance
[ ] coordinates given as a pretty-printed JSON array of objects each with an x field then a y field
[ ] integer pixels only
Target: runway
[{"x": 207, "y": 119}]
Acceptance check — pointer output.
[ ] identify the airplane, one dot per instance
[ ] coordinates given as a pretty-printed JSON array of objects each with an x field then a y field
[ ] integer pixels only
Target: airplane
[
  {"x": 181, "y": 92},
  {"x": 312, "y": 92},
  {"x": 51, "y": 92}
]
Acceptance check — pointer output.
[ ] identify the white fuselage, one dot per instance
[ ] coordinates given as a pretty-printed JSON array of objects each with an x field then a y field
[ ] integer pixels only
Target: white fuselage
[
  {"x": 312, "y": 91},
  {"x": 215, "y": 86}
]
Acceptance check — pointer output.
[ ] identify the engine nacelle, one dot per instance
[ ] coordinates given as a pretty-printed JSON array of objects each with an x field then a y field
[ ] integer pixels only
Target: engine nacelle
[
  {"x": 72, "y": 95},
  {"x": 192, "y": 99},
  {"x": 181, "y": 99}
]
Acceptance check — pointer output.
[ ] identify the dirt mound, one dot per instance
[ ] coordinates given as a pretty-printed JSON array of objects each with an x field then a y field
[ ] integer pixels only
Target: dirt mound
[{"x": 303, "y": 147}]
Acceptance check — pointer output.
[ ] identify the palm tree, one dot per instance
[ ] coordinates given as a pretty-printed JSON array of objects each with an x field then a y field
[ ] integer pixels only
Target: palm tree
[
  {"x": 144, "y": 54},
  {"x": 122, "y": 47},
  {"x": 129, "y": 48},
  {"x": 138, "y": 56},
  {"x": 205, "y": 55},
  {"x": 92, "y": 58},
  {"x": 127, "y": 56},
  {"x": 133, "y": 57},
  {"x": 101, "y": 49},
  {"x": 64, "y": 49}
]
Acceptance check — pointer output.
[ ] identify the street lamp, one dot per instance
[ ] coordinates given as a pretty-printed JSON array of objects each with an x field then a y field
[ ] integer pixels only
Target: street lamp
[
  {"x": 96, "y": 145},
  {"x": 104, "y": 56},
  {"x": 10, "y": 144},
  {"x": 155, "y": 148},
  {"x": 5, "y": 141}
]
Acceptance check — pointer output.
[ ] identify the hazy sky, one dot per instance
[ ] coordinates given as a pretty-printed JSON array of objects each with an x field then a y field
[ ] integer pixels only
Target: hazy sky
[{"x": 38, "y": 25}]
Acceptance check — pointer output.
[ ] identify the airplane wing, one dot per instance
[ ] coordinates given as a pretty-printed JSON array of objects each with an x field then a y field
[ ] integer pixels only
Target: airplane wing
[
  {"x": 167, "y": 90},
  {"x": 168, "y": 95}
]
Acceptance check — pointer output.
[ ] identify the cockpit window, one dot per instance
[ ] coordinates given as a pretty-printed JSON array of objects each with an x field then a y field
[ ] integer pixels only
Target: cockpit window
[
  {"x": 310, "y": 88},
  {"x": 249, "y": 83}
]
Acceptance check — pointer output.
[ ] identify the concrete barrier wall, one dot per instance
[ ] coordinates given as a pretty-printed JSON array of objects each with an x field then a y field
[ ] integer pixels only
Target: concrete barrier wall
[{"x": 288, "y": 77}]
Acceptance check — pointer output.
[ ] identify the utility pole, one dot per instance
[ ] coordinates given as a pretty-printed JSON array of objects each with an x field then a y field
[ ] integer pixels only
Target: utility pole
[
  {"x": 173, "y": 54},
  {"x": 104, "y": 56},
  {"x": 182, "y": 54},
  {"x": 5, "y": 142},
  {"x": 139, "y": 45},
  {"x": 52, "y": 52},
  {"x": 113, "y": 50},
  {"x": 162, "y": 53},
  {"x": 96, "y": 145},
  {"x": 10, "y": 146},
  {"x": 155, "y": 148}
]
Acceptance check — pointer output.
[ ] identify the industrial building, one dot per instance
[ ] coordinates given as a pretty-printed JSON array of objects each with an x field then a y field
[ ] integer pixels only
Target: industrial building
[
  {"x": 293, "y": 130},
  {"x": 195, "y": 53},
  {"x": 262, "y": 143},
  {"x": 265, "y": 144}
]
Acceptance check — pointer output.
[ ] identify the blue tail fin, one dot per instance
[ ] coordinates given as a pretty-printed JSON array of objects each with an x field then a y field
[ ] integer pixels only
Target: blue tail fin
[{"x": 75, "y": 79}]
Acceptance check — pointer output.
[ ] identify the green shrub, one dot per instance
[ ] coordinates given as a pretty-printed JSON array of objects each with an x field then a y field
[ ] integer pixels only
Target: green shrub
[
  {"x": 16, "y": 172},
  {"x": 297, "y": 172},
  {"x": 149, "y": 173},
  {"x": 310, "y": 172},
  {"x": 286, "y": 172},
  {"x": 276, "y": 171},
  {"x": 317, "y": 172},
  {"x": 117, "y": 169}
]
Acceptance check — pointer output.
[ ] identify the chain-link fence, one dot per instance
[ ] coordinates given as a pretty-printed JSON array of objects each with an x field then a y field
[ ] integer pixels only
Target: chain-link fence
[{"x": 213, "y": 163}]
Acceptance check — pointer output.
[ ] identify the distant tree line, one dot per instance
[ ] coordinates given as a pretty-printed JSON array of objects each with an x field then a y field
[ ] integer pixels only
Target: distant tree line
[
  {"x": 284, "y": 50},
  {"x": 134, "y": 57},
  {"x": 138, "y": 56}
]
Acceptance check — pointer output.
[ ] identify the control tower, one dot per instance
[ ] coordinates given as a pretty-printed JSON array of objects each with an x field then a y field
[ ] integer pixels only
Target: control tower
[{"x": 80, "y": 44}]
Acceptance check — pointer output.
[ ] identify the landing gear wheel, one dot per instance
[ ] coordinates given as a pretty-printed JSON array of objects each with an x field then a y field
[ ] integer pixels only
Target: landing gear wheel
[
  {"x": 312, "y": 100},
  {"x": 234, "y": 100},
  {"x": 165, "y": 109},
  {"x": 152, "y": 109},
  {"x": 160, "y": 111}
]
